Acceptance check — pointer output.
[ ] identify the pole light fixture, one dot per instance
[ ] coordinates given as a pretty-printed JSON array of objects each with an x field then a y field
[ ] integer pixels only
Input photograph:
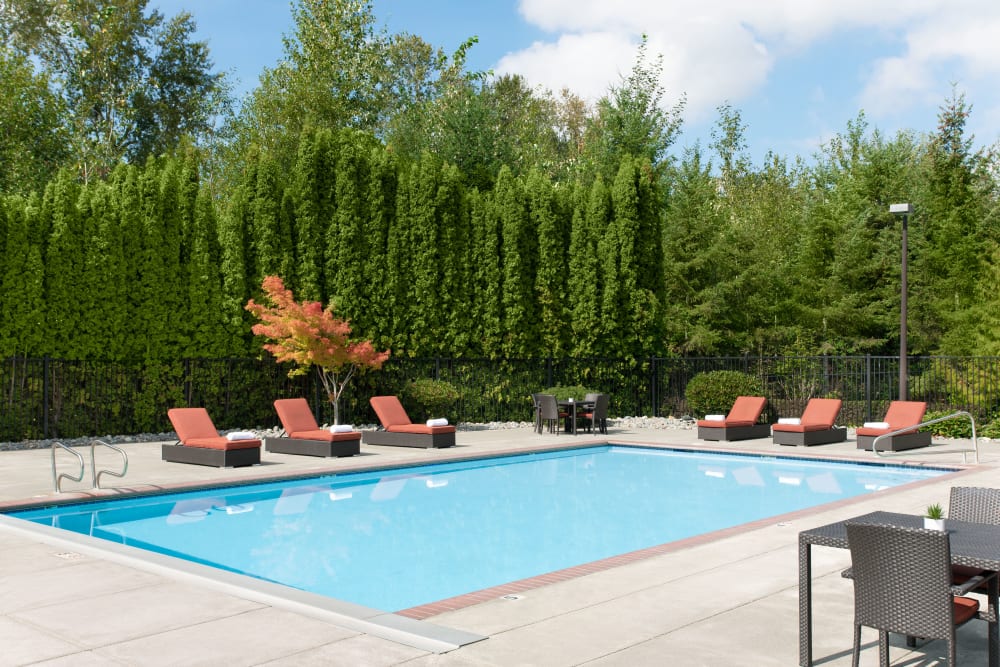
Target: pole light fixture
[{"x": 904, "y": 210}]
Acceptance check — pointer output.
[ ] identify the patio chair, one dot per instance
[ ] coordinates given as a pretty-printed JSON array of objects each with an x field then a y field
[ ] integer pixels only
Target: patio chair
[
  {"x": 536, "y": 410},
  {"x": 899, "y": 415},
  {"x": 597, "y": 416},
  {"x": 739, "y": 424},
  {"x": 978, "y": 505},
  {"x": 549, "y": 413},
  {"x": 902, "y": 584},
  {"x": 199, "y": 442},
  {"x": 303, "y": 436},
  {"x": 814, "y": 427},
  {"x": 398, "y": 430}
]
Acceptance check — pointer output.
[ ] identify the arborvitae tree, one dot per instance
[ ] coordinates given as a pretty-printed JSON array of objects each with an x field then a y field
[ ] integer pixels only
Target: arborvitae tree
[
  {"x": 486, "y": 275},
  {"x": 22, "y": 305},
  {"x": 270, "y": 242},
  {"x": 311, "y": 183},
  {"x": 520, "y": 261},
  {"x": 126, "y": 181},
  {"x": 169, "y": 298},
  {"x": 623, "y": 237},
  {"x": 426, "y": 313},
  {"x": 347, "y": 235},
  {"x": 235, "y": 238},
  {"x": 551, "y": 282},
  {"x": 207, "y": 321},
  {"x": 103, "y": 330},
  {"x": 382, "y": 202},
  {"x": 454, "y": 233},
  {"x": 591, "y": 206},
  {"x": 398, "y": 277},
  {"x": 64, "y": 263}
]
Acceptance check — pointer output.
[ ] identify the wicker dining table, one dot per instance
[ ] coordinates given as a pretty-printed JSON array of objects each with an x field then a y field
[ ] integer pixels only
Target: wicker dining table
[{"x": 972, "y": 544}]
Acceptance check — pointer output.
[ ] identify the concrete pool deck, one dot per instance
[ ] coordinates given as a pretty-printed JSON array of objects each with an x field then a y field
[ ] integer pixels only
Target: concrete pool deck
[{"x": 729, "y": 598}]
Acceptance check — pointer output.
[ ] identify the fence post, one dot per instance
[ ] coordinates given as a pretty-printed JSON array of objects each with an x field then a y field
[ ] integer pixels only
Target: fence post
[
  {"x": 548, "y": 372},
  {"x": 653, "y": 380},
  {"x": 45, "y": 397},
  {"x": 437, "y": 367},
  {"x": 868, "y": 387}
]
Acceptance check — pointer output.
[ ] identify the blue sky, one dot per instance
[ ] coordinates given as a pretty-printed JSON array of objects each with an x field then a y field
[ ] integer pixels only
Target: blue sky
[{"x": 797, "y": 70}]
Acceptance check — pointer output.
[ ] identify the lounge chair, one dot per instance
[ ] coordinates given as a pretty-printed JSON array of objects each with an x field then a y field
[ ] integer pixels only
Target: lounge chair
[
  {"x": 739, "y": 424},
  {"x": 398, "y": 430},
  {"x": 814, "y": 427},
  {"x": 899, "y": 415},
  {"x": 304, "y": 436},
  {"x": 200, "y": 443}
]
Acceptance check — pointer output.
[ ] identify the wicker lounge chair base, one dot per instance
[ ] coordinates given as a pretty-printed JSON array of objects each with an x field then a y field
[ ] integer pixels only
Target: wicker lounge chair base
[
  {"x": 207, "y": 456},
  {"x": 313, "y": 447},
  {"x": 824, "y": 437},
  {"x": 734, "y": 432},
  {"x": 424, "y": 440},
  {"x": 896, "y": 443}
]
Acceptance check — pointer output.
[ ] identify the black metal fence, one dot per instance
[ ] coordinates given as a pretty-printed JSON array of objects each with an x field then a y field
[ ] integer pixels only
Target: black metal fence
[{"x": 49, "y": 398}]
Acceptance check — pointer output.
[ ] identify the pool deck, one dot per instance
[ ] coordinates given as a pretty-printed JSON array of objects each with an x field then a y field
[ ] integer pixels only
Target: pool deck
[{"x": 724, "y": 599}]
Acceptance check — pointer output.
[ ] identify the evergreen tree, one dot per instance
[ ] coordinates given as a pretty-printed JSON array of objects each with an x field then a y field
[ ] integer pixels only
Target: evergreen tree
[
  {"x": 551, "y": 281},
  {"x": 519, "y": 243},
  {"x": 591, "y": 212},
  {"x": 347, "y": 237},
  {"x": 453, "y": 255},
  {"x": 64, "y": 263},
  {"x": 951, "y": 258},
  {"x": 487, "y": 275},
  {"x": 312, "y": 185}
]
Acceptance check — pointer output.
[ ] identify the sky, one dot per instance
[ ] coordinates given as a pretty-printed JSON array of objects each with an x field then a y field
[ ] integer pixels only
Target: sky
[{"x": 797, "y": 71}]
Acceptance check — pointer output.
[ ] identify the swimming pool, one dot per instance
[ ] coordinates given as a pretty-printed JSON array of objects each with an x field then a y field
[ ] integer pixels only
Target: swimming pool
[{"x": 396, "y": 539}]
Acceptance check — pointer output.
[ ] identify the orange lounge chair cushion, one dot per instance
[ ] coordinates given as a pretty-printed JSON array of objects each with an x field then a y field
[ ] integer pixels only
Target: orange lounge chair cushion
[
  {"x": 325, "y": 435},
  {"x": 899, "y": 415},
  {"x": 745, "y": 412},
  {"x": 195, "y": 429},
  {"x": 820, "y": 415},
  {"x": 298, "y": 421},
  {"x": 965, "y": 608},
  {"x": 394, "y": 418}
]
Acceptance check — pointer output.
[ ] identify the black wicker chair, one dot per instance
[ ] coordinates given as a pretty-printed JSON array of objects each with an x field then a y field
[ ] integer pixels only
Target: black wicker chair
[
  {"x": 549, "y": 412},
  {"x": 979, "y": 505},
  {"x": 902, "y": 584}
]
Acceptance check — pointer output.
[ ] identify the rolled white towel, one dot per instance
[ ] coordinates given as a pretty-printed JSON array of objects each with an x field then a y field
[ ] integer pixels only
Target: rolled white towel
[
  {"x": 440, "y": 421},
  {"x": 241, "y": 435},
  {"x": 790, "y": 420},
  {"x": 876, "y": 424},
  {"x": 715, "y": 418},
  {"x": 341, "y": 428}
]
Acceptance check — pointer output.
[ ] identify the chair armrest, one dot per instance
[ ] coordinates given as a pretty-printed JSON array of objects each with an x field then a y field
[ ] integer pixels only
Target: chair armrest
[
  {"x": 972, "y": 583},
  {"x": 968, "y": 585}
]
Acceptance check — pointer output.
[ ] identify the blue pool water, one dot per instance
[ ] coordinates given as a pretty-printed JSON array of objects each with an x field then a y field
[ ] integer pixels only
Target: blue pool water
[{"x": 398, "y": 539}]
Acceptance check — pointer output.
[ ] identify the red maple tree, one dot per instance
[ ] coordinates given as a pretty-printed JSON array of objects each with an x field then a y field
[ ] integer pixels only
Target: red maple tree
[{"x": 308, "y": 335}]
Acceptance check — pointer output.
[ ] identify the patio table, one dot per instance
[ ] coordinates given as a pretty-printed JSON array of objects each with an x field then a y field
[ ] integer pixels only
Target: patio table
[
  {"x": 571, "y": 406},
  {"x": 973, "y": 544}
]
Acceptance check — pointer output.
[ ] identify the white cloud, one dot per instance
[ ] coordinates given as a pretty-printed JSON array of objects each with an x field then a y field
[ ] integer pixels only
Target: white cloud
[{"x": 719, "y": 51}]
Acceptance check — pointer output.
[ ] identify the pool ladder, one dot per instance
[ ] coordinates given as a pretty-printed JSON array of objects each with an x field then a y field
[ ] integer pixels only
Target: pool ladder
[
  {"x": 57, "y": 478},
  {"x": 907, "y": 429}
]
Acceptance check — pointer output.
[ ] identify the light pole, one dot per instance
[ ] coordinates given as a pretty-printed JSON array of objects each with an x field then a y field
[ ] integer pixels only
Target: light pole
[{"x": 905, "y": 210}]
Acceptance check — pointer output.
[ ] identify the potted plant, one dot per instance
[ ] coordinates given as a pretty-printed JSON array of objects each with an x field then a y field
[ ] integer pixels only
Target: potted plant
[{"x": 934, "y": 520}]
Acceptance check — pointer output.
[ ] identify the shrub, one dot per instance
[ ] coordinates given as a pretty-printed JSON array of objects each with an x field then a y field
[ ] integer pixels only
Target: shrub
[
  {"x": 714, "y": 392},
  {"x": 426, "y": 398},
  {"x": 951, "y": 428},
  {"x": 565, "y": 393}
]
